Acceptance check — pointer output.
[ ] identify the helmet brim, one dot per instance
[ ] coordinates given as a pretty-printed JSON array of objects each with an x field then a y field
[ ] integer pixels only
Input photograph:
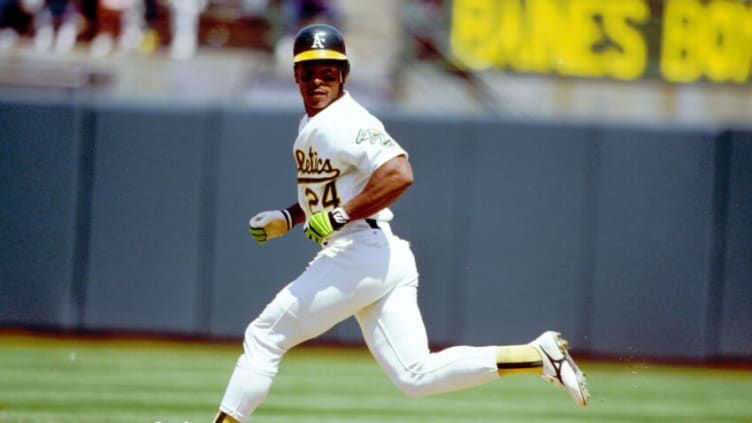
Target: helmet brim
[{"x": 319, "y": 54}]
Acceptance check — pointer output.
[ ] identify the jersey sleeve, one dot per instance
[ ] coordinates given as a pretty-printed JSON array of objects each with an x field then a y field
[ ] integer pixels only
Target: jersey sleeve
[{"x": 371, "y": 146}]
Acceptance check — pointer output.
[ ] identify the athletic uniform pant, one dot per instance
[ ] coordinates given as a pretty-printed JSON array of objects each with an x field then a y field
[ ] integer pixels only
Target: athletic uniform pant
[{"x": 371, "y": 274}]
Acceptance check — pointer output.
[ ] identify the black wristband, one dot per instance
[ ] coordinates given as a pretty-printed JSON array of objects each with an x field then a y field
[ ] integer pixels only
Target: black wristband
[{"x": 288, "y": 217}]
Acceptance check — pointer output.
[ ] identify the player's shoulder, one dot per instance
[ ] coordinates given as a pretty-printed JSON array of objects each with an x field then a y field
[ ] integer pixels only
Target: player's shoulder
[
  {"x": 351, "y": 110},
  {"x": 349, "y": 118}
]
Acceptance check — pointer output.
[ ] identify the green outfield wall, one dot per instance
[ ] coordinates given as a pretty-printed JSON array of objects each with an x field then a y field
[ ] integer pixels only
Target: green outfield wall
[{"x": 634, "y": 241}]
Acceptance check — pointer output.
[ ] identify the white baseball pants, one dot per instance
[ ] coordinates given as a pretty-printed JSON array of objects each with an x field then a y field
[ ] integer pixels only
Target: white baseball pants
[{"x": 371, "y": 274}]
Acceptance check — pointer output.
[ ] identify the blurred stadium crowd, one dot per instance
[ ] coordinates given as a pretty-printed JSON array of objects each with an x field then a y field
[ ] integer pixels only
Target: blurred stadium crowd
[
  {"x": 643, "y": 61},
  {"x": 110, "y": 26},
  {"x": 173, "y": 49}
]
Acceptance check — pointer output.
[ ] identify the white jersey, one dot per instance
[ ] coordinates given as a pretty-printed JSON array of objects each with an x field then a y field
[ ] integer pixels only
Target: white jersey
[{"x": 336, "y": 152}]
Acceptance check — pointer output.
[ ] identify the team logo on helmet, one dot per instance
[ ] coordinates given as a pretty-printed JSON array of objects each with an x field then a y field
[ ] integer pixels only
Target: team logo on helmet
[
  {"x": 319, "y": 42},
  {"x": 319, "y": 39}
]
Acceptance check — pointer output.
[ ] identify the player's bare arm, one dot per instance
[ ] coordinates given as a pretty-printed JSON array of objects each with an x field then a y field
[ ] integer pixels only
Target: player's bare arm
[{"x": 386, "y": 185}]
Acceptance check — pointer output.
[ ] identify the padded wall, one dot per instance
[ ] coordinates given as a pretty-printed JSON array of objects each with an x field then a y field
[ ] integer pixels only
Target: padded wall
[
  {"x": 129, "y": 217},
  {"x": 40, "y": 152}
]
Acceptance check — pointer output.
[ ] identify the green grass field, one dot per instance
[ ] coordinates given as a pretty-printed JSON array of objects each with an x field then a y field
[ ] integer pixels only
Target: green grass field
[{"x": 45, "y": 379}]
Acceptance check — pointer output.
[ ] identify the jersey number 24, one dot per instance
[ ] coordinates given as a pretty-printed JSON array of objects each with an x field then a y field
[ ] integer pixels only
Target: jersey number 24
[{"x": 329, "y": 198}]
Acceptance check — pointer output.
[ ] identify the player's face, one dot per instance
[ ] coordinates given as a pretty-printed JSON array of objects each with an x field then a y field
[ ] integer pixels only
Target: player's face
[{"x": 320, "y": 84}]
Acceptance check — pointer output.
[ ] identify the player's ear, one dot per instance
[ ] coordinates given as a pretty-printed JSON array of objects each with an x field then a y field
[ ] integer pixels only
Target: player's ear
[
  {"x": 344, "y": 71},
  {"x": 295, "y": 68}
]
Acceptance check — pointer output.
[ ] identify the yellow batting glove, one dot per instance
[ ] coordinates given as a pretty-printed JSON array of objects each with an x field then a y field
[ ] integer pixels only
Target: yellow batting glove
[
  {"x": 269, "y": 224},
  {"x": 322, "y": 224}
]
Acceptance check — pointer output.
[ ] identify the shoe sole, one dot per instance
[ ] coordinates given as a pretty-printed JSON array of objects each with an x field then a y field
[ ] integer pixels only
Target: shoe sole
[{"x": 561, "y": 346}]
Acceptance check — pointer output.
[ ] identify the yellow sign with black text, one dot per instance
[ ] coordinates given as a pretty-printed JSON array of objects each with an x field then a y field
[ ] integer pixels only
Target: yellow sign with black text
[{"x": 680, "y": 40}]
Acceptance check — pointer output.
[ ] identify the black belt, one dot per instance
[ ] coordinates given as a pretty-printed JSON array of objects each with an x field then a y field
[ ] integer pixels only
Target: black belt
[{"x": 373, "y": 223}]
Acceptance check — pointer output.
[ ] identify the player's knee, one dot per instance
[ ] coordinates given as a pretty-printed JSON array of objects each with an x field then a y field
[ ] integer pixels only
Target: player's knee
[
  {"x": 261, "y": 336},
  {"x": 262, "y": 346},
  {"x": 273, "y": 331},
  {"x": 413, "y": 385}
]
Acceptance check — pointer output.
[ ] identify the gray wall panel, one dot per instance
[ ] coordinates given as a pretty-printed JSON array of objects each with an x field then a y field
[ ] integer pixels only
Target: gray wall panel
[
  {"x": 524, "y": 259},
  {"x": 39, "y": 149},
  {"x": 653, "y": 243},
  {"x": 256, "y": 172},
  {"x": 132, "y": 217},
  {"x": 144, "y": 262},
  {"x": 441, "y": 153},
  {"x": 736, "y": 316}
]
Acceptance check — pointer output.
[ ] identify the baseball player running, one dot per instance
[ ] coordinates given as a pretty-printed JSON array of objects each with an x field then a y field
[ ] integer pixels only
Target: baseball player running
[{"x": 349, "y": 172}]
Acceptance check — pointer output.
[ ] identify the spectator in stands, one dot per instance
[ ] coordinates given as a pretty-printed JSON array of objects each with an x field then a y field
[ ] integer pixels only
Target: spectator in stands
[
  {"x": 254, "y": 7},
  {"x": 10, "y": 12},
  {"x": 296, "y": 14},
  {"x": 56, "y": 24},
  {"x": 299, "y": 13},
  {"x": 424, "y": 22},
  {"x": 16, "y": 19},
  {"x": 184, "y": 22},
  {"x": 132, "y": 33}
]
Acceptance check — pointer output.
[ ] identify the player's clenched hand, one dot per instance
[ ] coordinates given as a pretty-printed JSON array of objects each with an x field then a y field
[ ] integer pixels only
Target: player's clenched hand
[
  {"x": 322, "y": 224},
  {"x": 269, "y": 224}
]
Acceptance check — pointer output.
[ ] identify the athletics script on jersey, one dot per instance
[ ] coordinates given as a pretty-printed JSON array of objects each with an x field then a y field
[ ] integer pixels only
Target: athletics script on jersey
[{"x": 312, "y": 168}]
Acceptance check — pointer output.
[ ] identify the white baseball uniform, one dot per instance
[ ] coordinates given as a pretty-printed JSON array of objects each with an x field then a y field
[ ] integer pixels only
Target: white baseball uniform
[{"x": 362, "y": 270}]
